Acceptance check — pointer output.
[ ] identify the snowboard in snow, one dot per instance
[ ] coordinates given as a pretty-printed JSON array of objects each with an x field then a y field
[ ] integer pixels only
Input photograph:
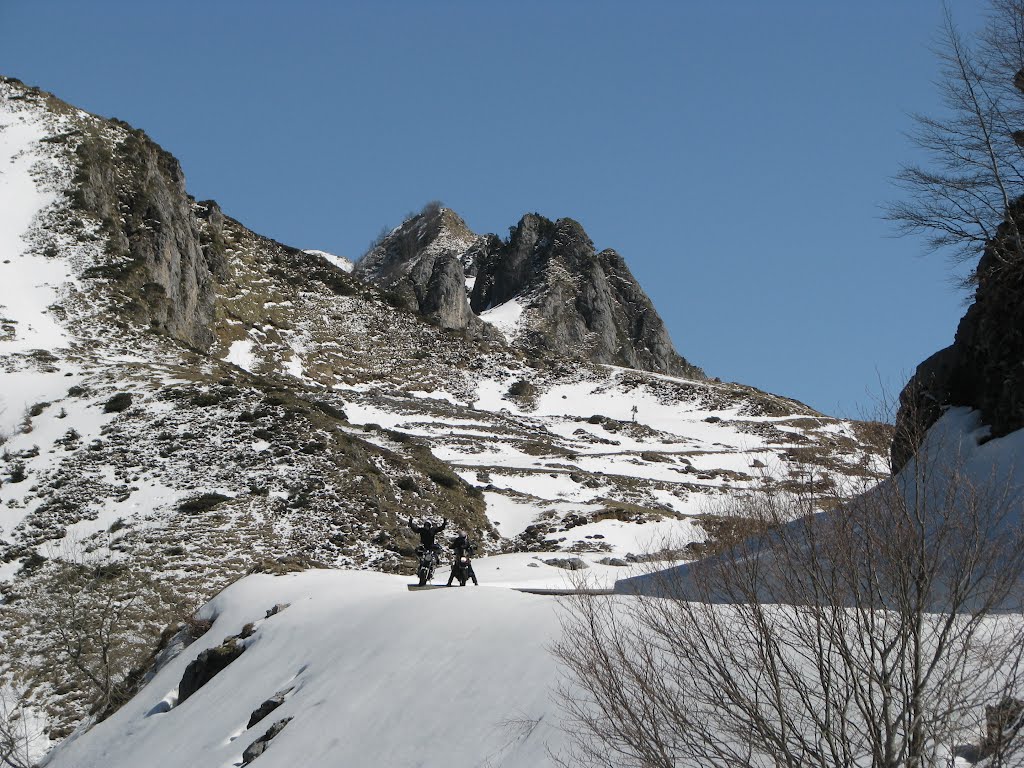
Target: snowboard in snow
[{"x": 417, "y": 587}]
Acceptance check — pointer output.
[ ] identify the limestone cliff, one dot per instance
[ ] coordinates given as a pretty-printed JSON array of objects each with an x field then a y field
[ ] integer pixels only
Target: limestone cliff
[
  {"x": 580, "y": 303},
  {"x": 166, "y": 251},
  {"x": 420, "y": 266}
]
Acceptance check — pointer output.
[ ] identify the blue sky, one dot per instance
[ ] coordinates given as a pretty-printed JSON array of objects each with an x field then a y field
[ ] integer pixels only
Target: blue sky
[{"x": 737, "y": 154}]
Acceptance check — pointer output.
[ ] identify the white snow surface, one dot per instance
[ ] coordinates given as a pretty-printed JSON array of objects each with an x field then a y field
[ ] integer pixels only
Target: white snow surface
[
  {"x": 505, "y": 317},
  {"x": 240, "y": 353},
  {"x": 341, "y": 262},
  {"x": 958, "y": 441},
  {"x": 378, "y": 675},
  {"x": 29, "y": 282}
]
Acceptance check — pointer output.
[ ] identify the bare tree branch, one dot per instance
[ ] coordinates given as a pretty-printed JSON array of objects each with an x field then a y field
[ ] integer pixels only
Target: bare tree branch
[{"x": 964, "y": 197}]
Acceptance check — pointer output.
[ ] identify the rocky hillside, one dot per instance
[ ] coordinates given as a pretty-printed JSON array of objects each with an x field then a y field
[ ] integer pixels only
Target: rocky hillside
[
  {"x": 984, "y": 367},
  {"x": 186, "y": 402},
  {"x": 544, "y": 290}
]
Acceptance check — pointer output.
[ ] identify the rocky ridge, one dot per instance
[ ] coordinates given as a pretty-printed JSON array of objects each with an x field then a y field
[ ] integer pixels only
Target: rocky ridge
[{"x": 546, "y": 289}]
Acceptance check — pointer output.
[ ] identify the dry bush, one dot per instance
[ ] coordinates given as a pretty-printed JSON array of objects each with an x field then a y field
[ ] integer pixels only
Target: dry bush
[{"x": 78, "y": 629}]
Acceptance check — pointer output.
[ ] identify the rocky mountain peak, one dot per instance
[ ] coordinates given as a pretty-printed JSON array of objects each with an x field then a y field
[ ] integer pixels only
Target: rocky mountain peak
[
  {"x": 545, "y": 289},
  {"x": 433, "y": 232},
  {"x": 421, "y": 266}
]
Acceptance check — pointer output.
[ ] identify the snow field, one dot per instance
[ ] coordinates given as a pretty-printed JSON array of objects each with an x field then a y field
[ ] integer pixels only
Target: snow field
[
  {"x": 380, "y": 675},
  {"x": 240, "y": 353},
  {"x": 505, "y": 317},
  {"x": 664, "y": 455},
  {"x": 29, "y": 282},
  {"x": 963, "y": 467},
  {"x": 342, "y": 263},
  {"x": 56, "y": 420}
]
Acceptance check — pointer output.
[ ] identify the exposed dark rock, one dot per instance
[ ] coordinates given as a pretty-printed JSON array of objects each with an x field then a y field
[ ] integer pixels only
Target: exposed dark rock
[
  {"x": 580, "y": 303},
  {"x": 173, "y": 640},
  {"x": 422, "y": 266},
  {"x": 277, "y": 609},
  {"x": 122, "y": 401},
  {"x": 967, "y": 752},
  {"x": 1003, "y": 723},
  {"x": 207, "y": 665},
  {"x": 286, "y": 564},
  {"x": 522, "y": 389},
  {"x": 267, "y": 707},
  {"x": 568, "y": 563},
  {"x": 984, "y": 367},
  {"x": 259, "y": 746},
  {"x": 202, "y": 503}
]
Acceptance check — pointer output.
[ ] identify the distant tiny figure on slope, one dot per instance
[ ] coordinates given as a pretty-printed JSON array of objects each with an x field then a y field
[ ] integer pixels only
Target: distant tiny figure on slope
[
  {"x": 428, "y": 551},
  {"x": 462, "y": 560}
]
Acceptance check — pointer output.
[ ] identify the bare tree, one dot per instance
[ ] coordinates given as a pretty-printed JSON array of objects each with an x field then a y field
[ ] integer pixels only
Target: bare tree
[
  {"x": 92, "y": 622},
  {"x": 966, "y": 196},
  {"x": 887, "y": 632},
  {"x": 16, "y": 738}
]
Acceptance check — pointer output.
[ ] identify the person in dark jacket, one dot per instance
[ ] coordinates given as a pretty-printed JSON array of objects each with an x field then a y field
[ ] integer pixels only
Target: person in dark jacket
[
  {"x": 461, "y": 547},
  {"x": 428, "y": 534}
]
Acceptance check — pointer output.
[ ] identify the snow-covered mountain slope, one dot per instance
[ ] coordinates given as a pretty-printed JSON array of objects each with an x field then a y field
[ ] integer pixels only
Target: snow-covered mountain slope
[
  {"x": 345, "y": 668},
  {"x": 342, "y": 263},
  {"x": 960, "y": 482},
  {"x": 371, "y": 674},
  {"x": 187, "y": 401}
]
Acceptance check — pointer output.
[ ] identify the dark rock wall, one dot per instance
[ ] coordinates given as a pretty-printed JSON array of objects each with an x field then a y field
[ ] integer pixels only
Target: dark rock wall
[
  {"x": 505, "y": 270},
  {"x": 984, "y": 367}
]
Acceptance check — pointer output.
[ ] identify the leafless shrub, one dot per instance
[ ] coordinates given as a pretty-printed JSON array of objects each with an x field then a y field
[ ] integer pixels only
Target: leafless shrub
[
  {"x": 93, "y": 620},
  {"x": 16, "y": 733}
]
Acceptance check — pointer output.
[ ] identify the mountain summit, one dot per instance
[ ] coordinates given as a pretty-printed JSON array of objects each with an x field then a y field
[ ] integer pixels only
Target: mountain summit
[{"x": 545, "y": 289}]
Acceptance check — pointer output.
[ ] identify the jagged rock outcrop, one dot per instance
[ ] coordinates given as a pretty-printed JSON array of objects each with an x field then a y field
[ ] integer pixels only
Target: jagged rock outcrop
[
  {"x": 166, "y": 250},
  {"x": 581, "y": 303},
  {"x": 209, "y": 663},
  {"x": 984, "y": 367},
  {"x": 268, "y": 706},
  {"x": 259, "y": 746},
  {"x": 575, "y": 302},
  {"x": 420, "y": 266}
]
